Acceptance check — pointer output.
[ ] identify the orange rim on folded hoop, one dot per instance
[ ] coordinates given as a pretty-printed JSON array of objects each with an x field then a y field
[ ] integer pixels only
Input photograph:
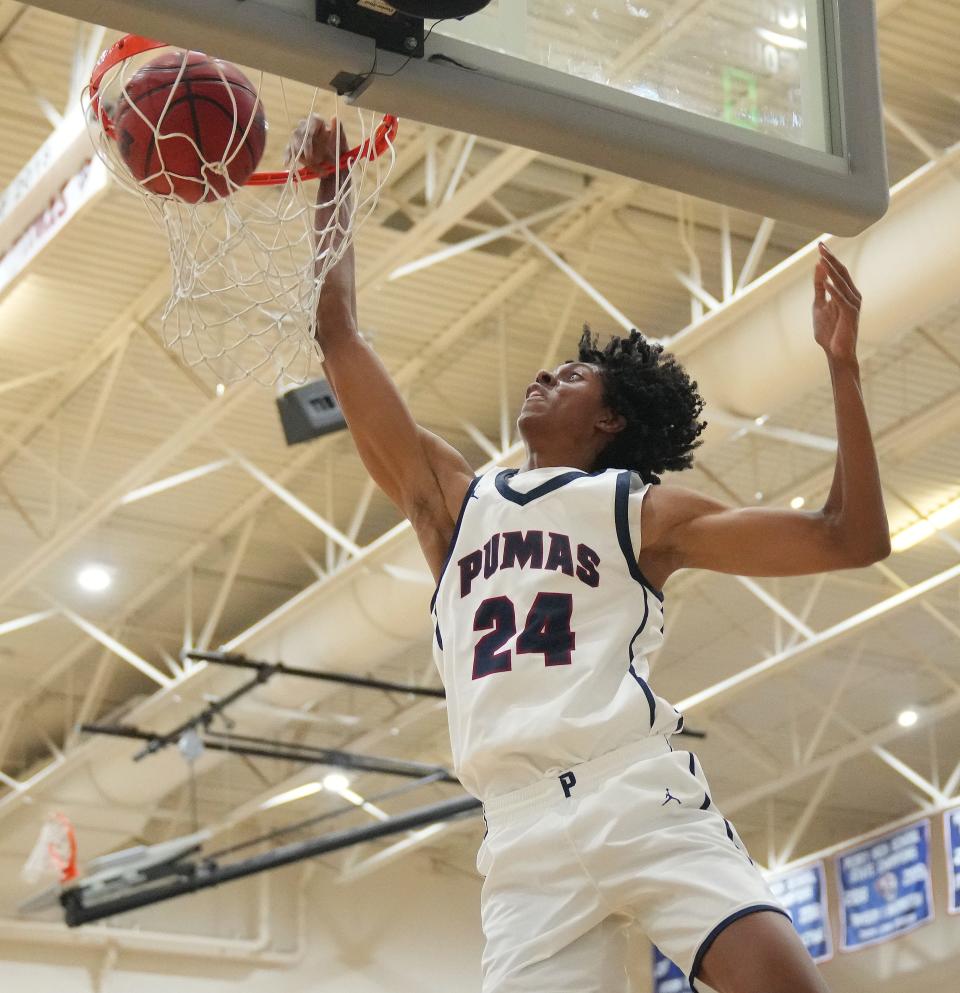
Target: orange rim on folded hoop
[
  {"x": 249, "y": 251},
  {"x": 132, "y": 45},
  {"x": 55, "y": 852},
  {"x": 63, "y": 855}
]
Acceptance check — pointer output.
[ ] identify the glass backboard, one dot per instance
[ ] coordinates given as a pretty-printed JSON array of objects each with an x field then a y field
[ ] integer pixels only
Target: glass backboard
[
  {"x": 768, "y": 105},
  {"x": 754, "y": 64}
]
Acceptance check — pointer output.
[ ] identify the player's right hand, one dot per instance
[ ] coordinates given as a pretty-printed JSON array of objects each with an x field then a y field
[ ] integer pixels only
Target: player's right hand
[{"x": 315, "y": 143}]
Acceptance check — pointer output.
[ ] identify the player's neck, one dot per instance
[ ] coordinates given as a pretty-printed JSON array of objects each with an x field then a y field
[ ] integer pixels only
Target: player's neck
[{"x": 558, "y": 460}]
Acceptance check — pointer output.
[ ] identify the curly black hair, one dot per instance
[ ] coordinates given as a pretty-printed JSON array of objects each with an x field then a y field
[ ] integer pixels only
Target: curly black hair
[{"x": 655, "y": 395}]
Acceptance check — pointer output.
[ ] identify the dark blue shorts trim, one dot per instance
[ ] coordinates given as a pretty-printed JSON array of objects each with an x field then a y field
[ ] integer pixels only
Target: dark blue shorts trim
[{"x": 715, "y": 933}]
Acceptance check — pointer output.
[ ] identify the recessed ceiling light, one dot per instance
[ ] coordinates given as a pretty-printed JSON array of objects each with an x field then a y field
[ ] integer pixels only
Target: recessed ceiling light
[
  {"x": 797, "y": 502},
  {"x": 335, "y": 782},
  {"x": 221, "y": 389},
  {"x": 94, "y": 578},
  {"x": 758, "y": 495},
  {"x": 907, "y": 718}
]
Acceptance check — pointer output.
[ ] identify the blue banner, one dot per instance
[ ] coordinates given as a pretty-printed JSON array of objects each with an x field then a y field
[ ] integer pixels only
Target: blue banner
[
  {"x": 667, "y": 977},
  {"x": 803, "y": 892},
  {"x": 951, "y": 835},
  {"x": 885, "y": 886}
]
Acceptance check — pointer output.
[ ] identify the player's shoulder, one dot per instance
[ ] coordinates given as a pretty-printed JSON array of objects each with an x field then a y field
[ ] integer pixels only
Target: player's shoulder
[
  {"x": 666, "y": 505},
  {"x": 451, "y": 472}
]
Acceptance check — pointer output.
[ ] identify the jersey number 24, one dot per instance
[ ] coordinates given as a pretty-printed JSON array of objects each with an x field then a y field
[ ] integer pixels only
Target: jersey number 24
[{"x": 546, "y": 632}]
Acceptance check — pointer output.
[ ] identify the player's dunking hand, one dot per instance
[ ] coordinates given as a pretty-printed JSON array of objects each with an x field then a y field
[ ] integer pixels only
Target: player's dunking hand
[
  {"x": 316, "y": 143},
  {"x": 836, "y": 308}
]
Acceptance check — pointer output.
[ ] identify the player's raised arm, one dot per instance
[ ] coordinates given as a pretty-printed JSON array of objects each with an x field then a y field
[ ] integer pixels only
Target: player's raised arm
[
  {"x": 850, "y": 530},
  {"x": 423, "y": 475}
]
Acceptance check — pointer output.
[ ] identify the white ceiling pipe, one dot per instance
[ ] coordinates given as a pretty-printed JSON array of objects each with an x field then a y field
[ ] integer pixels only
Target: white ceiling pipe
[
  {"x": 906, "y": 267},
  {"x": 757, "y": 354},
  {"x": 371, "y": 617},
  {"x": 225, "y": 950}
]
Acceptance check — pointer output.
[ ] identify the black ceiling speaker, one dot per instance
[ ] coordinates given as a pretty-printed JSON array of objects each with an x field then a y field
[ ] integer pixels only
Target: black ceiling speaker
[
  {"x": 309, "y": 411},
  {"x": 436, "y": 10}
]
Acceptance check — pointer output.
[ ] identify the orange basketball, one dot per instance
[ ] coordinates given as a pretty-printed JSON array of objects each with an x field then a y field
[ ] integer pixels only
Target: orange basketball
[{"x": 190, "y": 127}]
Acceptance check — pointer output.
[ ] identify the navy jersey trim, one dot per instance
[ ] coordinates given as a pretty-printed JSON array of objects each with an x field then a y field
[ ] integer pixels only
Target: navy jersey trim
[
  {"x": 740, "y": 849},
  {"x": 715, "y": 933},
  {"x": 522, "y": 499},
  {"x": 623, "y": 536},
  {"x": 454, "y": 536},
  {"x": 651, "y": 700},
  {"x": 706, "y": 796},
  {"x": 622, "y": 518}
]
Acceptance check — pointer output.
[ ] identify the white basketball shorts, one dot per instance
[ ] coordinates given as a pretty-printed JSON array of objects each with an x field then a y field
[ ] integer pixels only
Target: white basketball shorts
[{"x": 630, "y": 839}]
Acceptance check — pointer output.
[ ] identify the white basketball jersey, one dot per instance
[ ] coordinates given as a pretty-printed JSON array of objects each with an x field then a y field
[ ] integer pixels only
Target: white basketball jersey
[{"x": 542, "y": 624}]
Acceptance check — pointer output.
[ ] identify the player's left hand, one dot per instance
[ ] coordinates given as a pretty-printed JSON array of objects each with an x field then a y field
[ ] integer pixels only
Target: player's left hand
[{"x": 836, "y": 307}]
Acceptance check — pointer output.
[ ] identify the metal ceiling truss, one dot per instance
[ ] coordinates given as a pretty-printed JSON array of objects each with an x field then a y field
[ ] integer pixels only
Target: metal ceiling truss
[
  {"x": 215, "y": 411},
  {"x": 405, "y": 716},
  {"x": 267, "y": 748},
  {"x": 787, "y": 778},
  {"x": 788, "y": 657},
  {"x": 901, "y": 433},
  {"x": 454, "y": 200},
  {"x": 203, "y": 421},
  {"x": 201, "y": 723},
  {"x": 275, "y": 488}
]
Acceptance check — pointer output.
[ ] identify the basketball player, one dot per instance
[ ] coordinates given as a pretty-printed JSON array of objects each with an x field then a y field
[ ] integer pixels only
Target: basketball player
[{"x": 548, "y": 600}]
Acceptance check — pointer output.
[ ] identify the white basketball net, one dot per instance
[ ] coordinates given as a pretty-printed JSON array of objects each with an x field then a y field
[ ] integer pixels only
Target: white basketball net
[{"x": 247, "y": 268}]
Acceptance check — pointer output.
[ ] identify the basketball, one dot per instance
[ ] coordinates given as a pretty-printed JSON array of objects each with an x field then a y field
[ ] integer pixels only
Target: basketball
[{"x": 190, "y": 127}]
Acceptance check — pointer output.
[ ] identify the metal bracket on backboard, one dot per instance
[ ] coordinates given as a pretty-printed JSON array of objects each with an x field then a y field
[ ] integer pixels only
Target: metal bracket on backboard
[{"x": 390, "y": 30}]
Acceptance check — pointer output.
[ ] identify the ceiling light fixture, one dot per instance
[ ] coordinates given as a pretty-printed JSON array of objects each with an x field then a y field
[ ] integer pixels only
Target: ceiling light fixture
[
  {"x": 336, "y": 782},
  {"x": 797, "y": 502},
  {"x": 907, "y": 718},
  {"x": 94, "y": 578}
]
